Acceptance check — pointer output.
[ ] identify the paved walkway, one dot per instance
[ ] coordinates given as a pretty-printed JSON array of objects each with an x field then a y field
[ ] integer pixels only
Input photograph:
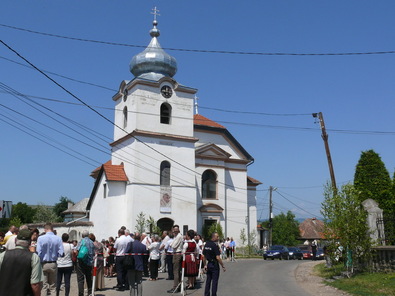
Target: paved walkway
[
  {"x": 158, "y": 287},
  {"x": 251, "y": 277}
]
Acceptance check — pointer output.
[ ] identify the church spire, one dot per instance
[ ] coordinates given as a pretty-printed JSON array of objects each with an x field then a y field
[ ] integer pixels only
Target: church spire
[{"x": 153, "y": 63}]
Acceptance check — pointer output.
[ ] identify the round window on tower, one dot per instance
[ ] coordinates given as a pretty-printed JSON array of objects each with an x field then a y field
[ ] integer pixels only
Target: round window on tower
[{"x": 166, "y": 91}]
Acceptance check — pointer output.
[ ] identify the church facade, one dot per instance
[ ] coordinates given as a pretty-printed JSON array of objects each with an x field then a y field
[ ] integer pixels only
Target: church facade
[{"x": 168, "y": 162}]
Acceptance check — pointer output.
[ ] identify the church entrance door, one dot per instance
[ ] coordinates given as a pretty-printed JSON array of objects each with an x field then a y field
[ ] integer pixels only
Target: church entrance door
[{"x": 165, "y": 224}]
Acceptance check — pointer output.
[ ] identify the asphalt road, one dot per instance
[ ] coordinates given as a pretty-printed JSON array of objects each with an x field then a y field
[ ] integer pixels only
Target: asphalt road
[
  {"x": 261, "y": 277},
  {"x": 244, "y": 277}
]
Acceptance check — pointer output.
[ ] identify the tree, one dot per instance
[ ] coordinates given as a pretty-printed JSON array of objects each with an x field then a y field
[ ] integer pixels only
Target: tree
[
  {"x": 24, "y": 212},
  {"x": 210, "y": 229},
  {"x": 152, "y": 224},
  {"x": 346, "y": 225},
  {"x": 141, "y": 223},
  {"x": 44, "y": 214},
  {"x": 243, "y": 236},
  {"x": 285, "y": 229},
  {"x": 372, "y": 180},
  {"x": 61, "y": 206},
  {"x": 16, "y": 221}
]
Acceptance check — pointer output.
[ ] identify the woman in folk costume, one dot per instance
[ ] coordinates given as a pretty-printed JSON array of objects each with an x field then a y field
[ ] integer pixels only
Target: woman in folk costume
[{"x": 191, "y": 251}]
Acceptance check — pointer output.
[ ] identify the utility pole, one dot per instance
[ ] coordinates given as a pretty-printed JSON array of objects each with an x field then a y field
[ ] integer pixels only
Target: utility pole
[
  {"x": 328, "y": 153},
  {"x": 270, "y": 216}
]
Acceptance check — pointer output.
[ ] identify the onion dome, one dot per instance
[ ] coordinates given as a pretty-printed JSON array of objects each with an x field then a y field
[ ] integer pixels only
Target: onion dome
[{"x": 153, "y": 63}]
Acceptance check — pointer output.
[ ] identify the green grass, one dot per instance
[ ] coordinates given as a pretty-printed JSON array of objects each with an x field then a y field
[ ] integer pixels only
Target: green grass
[
  {"x": 328, "y": 273},
  {"x": 364, "y": 284}
]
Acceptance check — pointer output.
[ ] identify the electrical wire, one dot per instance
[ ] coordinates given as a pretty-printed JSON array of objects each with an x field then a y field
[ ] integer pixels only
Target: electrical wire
[
  {"x": 344, "y": 131},
  {"x": 203, "y": 50},
  {"x": 59, "y": 75},
  {"x": 314, "y": 215},
  {"x": 115, "y": 155},
  {"x": 298, "y": 198},
  {"x": 25, "y": 128},
  {"x": 104, "y": 117}
]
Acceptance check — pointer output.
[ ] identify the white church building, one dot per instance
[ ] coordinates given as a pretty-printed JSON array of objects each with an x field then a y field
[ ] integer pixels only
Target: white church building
[{"x": 168, "y": 162}]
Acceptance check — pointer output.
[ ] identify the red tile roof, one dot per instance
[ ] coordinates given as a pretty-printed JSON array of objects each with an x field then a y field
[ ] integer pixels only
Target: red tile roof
[
  {"x": 201, "y": 120},
  {"x": 113, "y": 172},
  {"x": 253, "y": 181},
  {"x": 311, "y": 229}
]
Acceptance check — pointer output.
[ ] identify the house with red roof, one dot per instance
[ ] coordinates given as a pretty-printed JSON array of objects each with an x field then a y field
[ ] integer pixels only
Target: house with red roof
[{"x": 168, "y": 161}]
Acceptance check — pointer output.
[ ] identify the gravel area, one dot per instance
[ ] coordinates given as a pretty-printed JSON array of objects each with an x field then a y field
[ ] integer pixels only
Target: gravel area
[{"x": 314, "y": 284}]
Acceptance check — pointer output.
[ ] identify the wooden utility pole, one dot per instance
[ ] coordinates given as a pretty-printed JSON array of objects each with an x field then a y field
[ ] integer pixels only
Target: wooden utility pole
[{"x": 328, "y": 152}]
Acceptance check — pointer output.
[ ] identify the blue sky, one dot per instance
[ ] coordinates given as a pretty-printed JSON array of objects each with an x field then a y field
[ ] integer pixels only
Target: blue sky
[{"x": 354, "y": 92}]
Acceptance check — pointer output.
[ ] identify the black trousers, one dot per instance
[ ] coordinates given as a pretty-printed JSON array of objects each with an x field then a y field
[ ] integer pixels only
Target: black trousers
[
  {"x": 169, "y": 262},
  {"x": 212, "y": 279},
  {"x": 145, "y": 265},
  {"x": 121, "y": 272},
  {"x": 66, "y": 272},
  {"x": 153, "y": 268},
  {"x": 84, "y": 271}
]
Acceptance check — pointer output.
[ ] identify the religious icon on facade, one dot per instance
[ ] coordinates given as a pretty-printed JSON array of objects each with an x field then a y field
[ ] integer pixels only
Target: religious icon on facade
[{"x": 165, "y": 199}]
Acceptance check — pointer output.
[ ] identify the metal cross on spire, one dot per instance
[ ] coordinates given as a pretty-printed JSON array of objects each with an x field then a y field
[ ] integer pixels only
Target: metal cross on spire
[{"x": 155, "y": 12}]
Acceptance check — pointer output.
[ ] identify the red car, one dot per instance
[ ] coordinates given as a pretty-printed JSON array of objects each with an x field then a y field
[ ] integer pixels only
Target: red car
[{"x": 307, "y": 254}]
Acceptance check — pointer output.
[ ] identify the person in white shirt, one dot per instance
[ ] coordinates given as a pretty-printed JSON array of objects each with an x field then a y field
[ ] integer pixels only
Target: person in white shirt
[
  {"x": 154, "y": 256},
  {"x": 11, "y": 230},
  {"x": 127, "y": 234},
  {"x": 177, "y": 245},
  {"x": 169, "y": 257},
  {"x": 165, "y": 239},
  {"x": 120, "y": 247},
  {"x": 65, "y": 266}
]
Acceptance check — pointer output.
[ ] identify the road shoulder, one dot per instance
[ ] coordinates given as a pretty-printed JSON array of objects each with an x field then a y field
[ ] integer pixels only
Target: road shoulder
[{"x": 312, "y": 283}]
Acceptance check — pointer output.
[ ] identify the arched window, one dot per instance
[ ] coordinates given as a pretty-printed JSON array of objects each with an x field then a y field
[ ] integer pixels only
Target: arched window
[
  {"x": 165, "y": 113},
  {"x": 165, "y": 173},
  {"x": 125, "y": 94},
  {"x": 125, "y": 116},
  {"x": 209, "y": 184}
]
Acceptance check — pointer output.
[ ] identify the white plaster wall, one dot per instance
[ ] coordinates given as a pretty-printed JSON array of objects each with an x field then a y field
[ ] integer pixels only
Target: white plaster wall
[
  {"x": 146, "y": 199},
  {"x": 253, "y": 212},
  {"x": 108, "y": 214},
  {"x": 142, "y": 166},
  {"x": 236, "y": 203},
  {"x": 144, "y": 103}
]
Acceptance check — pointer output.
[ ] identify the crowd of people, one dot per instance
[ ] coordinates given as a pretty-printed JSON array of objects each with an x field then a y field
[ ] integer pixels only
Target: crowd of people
[{"x": 46, "y": 260}]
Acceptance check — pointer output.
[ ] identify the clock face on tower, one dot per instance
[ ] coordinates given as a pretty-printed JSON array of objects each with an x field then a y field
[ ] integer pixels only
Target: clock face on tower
[{"x": 166, "y": 91}]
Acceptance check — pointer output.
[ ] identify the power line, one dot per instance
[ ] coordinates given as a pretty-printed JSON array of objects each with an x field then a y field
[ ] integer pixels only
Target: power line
[
  {"x": 314, "y": 215},
  {"x": 107, "y": 119},
  {"x": 59, "y": 75},
  {"x": 106, "y": 151},
  {"x": 341, "y": 131},
  {"x": 203, "y": 50},
  {"x": 123, "y": 158},
  {"x": 310, "y": 187},
  {"x": 298, "y": 198},
  {"x": 25, "y": 128},
  {"x": 255, "y": 113}
]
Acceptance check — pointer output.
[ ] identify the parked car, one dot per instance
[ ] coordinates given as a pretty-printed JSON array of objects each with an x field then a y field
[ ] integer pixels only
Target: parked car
[
  {"x": 279, "y": 252},
  {"x": 320, "y": 254},
  {"x": 307, "y": 254},
  {"x": 295, "y": 253}
]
